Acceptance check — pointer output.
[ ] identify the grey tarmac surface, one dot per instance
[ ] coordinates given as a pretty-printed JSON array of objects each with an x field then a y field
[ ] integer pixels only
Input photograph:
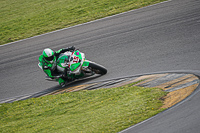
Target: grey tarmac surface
[
  {"x": 180, "y": 85},
  {"x": 163, "y": 37}
]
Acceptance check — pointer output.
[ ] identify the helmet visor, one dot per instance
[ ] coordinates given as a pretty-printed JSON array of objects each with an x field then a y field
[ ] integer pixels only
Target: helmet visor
[{"x": 49, "y": 58}]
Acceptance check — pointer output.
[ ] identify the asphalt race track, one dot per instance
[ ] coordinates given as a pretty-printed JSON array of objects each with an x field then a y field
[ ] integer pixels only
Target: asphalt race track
[{"x": 162, "y": 37}]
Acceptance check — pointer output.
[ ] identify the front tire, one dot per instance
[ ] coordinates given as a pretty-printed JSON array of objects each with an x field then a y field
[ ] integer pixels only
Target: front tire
[{"x": 98, "y": 69}]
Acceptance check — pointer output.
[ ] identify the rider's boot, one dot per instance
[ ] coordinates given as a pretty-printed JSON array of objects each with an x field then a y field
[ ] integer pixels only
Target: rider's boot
[{"x": 62, "y": 82}]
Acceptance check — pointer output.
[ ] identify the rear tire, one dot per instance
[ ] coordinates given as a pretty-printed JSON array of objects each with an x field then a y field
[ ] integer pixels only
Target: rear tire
[{"x": 98, "y": 69}]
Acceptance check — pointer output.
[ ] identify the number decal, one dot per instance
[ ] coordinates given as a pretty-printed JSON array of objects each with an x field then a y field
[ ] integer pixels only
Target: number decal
[{"x": 76, "y": 59}]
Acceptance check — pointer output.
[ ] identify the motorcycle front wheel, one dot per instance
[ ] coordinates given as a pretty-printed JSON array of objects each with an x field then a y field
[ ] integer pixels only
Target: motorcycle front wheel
[{"x": 98, "y": 69}]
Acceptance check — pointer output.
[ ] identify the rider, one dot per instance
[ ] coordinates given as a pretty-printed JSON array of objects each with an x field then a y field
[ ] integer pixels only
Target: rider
[{"x": 48, "y": 62}]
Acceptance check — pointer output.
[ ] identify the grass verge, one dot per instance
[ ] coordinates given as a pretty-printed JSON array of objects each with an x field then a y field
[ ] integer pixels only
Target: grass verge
[
  {"x": 26, "y": 18},
  {"x": 102, "y": 110}
]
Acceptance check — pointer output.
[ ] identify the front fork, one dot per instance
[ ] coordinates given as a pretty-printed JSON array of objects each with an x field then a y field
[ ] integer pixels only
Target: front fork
[{"x": 85, "y": 68}]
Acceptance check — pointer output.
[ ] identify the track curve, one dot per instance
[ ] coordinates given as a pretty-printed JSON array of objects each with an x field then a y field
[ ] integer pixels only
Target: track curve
[{"x": 162, "y": 37}]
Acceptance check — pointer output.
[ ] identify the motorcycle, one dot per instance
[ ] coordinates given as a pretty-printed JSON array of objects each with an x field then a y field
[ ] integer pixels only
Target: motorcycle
[{"x": 77, "y": 66}]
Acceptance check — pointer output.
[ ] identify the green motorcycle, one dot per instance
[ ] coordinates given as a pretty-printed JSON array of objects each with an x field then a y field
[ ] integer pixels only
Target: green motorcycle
[{"x": 77, "y": 66}]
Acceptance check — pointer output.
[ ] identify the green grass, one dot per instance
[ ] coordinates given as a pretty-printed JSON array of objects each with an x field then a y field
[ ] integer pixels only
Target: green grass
[
  {"x": 21, "y": 19},
  {"x": 102, "y": 110}
]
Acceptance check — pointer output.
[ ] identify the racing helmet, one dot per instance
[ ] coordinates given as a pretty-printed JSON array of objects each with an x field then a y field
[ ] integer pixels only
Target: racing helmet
[{"x": 48, "y": 55}]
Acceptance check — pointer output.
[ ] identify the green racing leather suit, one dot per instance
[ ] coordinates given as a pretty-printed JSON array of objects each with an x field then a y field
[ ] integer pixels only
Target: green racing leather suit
[{"x": 51, "y": 69}]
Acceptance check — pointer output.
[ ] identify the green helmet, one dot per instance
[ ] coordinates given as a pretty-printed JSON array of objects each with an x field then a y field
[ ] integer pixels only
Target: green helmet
[{"x": 48, "y": 55}]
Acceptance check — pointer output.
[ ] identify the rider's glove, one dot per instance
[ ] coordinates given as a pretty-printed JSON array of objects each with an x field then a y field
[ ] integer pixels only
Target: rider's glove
[{"x": 72, "y": 48}]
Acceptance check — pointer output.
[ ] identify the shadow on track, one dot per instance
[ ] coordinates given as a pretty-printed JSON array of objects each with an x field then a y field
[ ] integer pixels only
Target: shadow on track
[{"x": 70, "y": 84}]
